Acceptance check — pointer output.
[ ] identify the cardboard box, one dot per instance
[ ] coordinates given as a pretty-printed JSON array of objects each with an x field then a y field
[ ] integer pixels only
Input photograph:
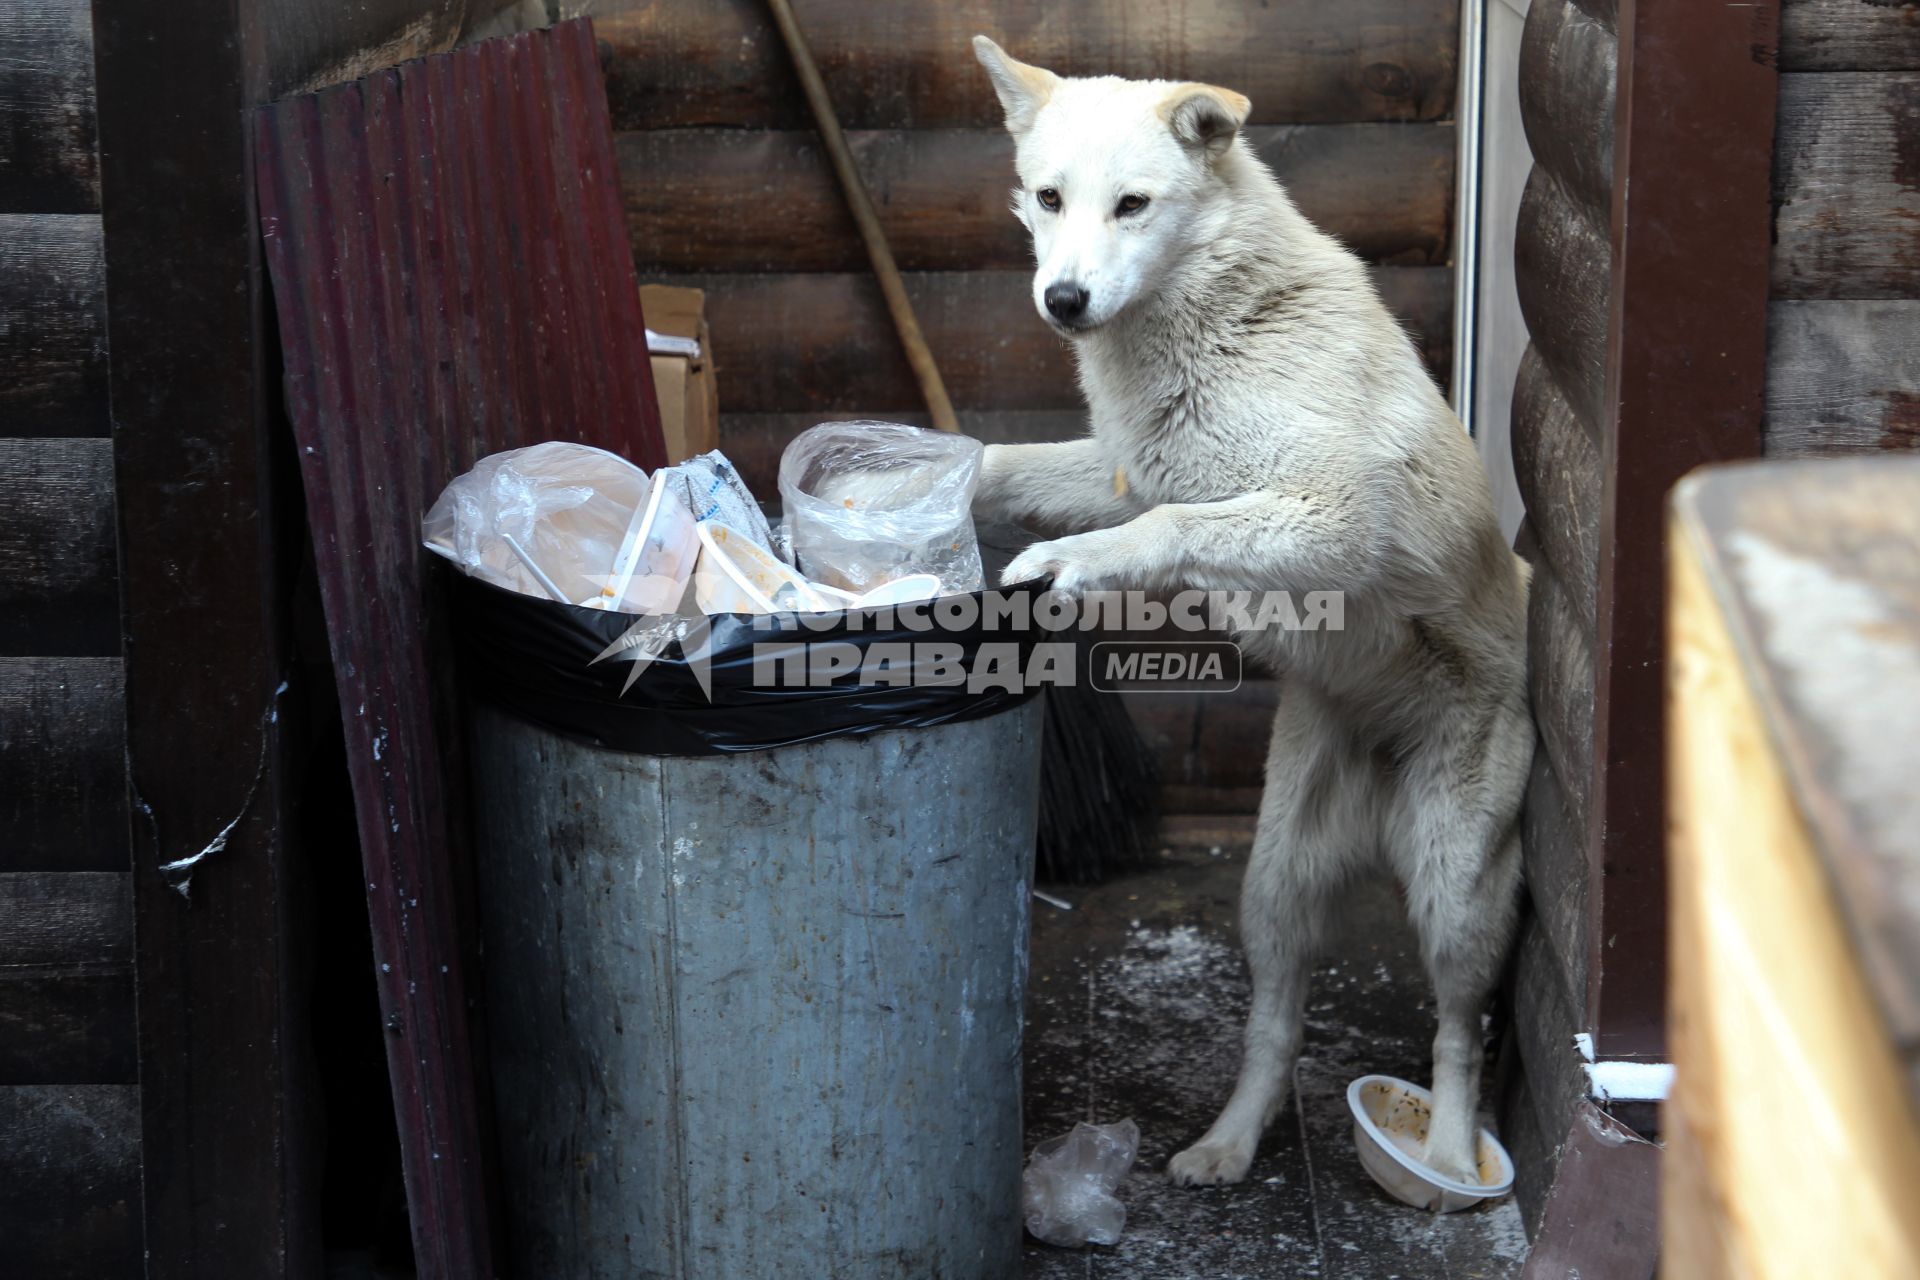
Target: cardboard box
[{"x": 689, "y": 403}]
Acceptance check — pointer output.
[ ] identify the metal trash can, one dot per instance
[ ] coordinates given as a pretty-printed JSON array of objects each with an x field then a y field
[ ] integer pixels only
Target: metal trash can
[{"x": 758, "y": 1016}]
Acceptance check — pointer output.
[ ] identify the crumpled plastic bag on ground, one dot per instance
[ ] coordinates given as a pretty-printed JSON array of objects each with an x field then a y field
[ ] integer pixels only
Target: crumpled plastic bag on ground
[
  {"x": 1067, "y": 1190},
  {"x": 869, "y": 502}
]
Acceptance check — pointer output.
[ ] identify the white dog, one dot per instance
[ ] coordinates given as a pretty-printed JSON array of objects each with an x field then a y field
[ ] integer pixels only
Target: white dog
[{"x": 1260, "y": 422}]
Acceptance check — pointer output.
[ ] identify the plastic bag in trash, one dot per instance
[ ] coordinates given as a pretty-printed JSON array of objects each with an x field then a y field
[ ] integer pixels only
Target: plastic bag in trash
[
  {"x": 559, "y": 520},
  {"x": 869, "y": 502},
  {"x": 1067, "y": 1191}
]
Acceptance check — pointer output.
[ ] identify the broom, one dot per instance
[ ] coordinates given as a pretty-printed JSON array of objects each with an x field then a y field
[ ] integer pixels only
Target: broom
[{"x": 1099, "y": 790}]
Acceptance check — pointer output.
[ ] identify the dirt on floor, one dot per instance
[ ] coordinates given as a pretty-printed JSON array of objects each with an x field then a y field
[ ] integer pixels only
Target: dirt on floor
[{"x": 1137, "y": 999}]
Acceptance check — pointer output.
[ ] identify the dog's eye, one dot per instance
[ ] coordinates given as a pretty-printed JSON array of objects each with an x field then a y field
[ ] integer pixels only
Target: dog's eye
[
  {"x": 1131, "y": 204},
  {"x": 1049, "y": 199}
]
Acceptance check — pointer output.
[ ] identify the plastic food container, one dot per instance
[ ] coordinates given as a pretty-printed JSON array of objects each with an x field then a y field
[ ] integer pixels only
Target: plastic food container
[
  {"x": 657, "y": 556},
  {"x": 736, "y": 575},
  {"x": 1389, "y": 1130}
]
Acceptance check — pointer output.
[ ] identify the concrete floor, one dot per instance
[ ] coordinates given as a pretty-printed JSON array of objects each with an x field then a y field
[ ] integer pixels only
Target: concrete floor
[{"x": 1135, "y": 1010}]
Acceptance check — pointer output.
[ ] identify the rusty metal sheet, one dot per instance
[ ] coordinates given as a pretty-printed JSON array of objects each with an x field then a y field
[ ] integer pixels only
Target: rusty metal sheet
[{"x": 452, "y": 277}]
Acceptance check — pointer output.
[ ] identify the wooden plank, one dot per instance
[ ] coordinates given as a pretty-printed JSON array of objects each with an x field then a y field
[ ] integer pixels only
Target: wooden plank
[
  {"x": 66, "y": 979},
  {"x": 822, "y": 341},
  {"x": 53, "y": 325},
  {"x": 70, "y": 1181},
  {"x": 1561, "y": 264},
  {"x": 743, "y": 201},
  {"x": 1792, "y": 850},
  {"x": 1847, "y": 35},
  {"x": 1602, "y": 1221},
  {"x": 1693, "y": 1233},
  {"x": 229, "y": 1167},
  {"x": 46, "y": 108},
  {"x": 1211, "y": 833},
  {"x": 63, "y": 765},
  {"x": 1567, "y": 65},
  {"x": 1842, "y": 377},
  {"x": 1846, "y": 186},
  {"x": 58, "y": 561},
  {"x": 1817, "y": 564},
  {"x": 67, "y": 1025},
  {"x": 676, "y": 63},
  {"x": 1686, "y": 344},
  {"x": 1556, "y": 461},
  {"x": 65, "y": 918}
]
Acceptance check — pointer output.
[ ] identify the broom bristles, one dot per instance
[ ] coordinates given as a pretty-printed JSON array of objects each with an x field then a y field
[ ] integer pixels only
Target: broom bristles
[{"x": 1099, "y": 788}]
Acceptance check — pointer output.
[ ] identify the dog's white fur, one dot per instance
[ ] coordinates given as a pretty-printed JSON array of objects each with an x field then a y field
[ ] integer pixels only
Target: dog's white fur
[{"x": 1273, "y": 429}]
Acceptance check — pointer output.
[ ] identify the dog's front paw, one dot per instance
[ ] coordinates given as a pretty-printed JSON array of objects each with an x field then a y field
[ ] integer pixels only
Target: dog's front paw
[
  {"x": 1064, "y": 560},
  {"x": 1207, "y": 1164}
]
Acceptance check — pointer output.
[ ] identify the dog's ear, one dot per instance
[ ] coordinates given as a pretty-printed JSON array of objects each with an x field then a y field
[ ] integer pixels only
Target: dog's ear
[
  {"x": 1023, "y": 89},
  {"x": 1205, "y": 117}
]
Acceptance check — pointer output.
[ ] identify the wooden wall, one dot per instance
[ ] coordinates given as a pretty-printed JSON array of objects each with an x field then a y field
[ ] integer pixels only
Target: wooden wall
[
  {"x": 1563, "y": 268},
  {"x": 1843, "y": 326},
  {"x": 86, "y": 1188},
  {"x": 69, "y": 1098},
  {"x": 727, "y": 189}
]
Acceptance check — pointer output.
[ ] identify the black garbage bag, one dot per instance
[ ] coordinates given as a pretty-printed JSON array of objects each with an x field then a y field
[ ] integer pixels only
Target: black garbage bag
[{"x": 743, "y": 682}]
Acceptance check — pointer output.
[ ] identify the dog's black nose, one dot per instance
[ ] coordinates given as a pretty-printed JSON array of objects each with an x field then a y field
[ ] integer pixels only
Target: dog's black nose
[{"x": 1066, "y": 301}]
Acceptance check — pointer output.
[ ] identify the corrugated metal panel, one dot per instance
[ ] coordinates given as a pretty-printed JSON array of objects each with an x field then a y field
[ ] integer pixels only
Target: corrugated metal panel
[{"x": 452, "y": 277}]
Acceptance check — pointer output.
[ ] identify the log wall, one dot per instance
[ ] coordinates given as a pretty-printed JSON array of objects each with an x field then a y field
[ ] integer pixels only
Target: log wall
[
  {"x": 69, "y": 1093},
  {"x": 1843, "y": 327},
  {"x": 1563, "y": 273},
  {"x": 727, "y": 187},
  {"x": 86, "y": 1190}
]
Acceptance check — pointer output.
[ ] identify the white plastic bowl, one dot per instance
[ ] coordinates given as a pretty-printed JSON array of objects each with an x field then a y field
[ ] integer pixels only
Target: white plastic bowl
[{"x": 1390, "y": 1128}]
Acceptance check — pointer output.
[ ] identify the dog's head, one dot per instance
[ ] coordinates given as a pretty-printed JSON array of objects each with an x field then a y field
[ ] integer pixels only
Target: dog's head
[{"x": 1117, "y": 180}]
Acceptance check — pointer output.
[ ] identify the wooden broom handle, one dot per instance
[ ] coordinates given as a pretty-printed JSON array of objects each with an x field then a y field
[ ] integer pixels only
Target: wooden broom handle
[{"x": 919, "y": 355}]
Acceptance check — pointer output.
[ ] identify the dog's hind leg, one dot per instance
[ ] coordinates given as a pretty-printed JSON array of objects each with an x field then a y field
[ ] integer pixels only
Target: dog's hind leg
[
  {"x": 1455, "y": 843},
  {"x": 1316, "y": 826}
]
